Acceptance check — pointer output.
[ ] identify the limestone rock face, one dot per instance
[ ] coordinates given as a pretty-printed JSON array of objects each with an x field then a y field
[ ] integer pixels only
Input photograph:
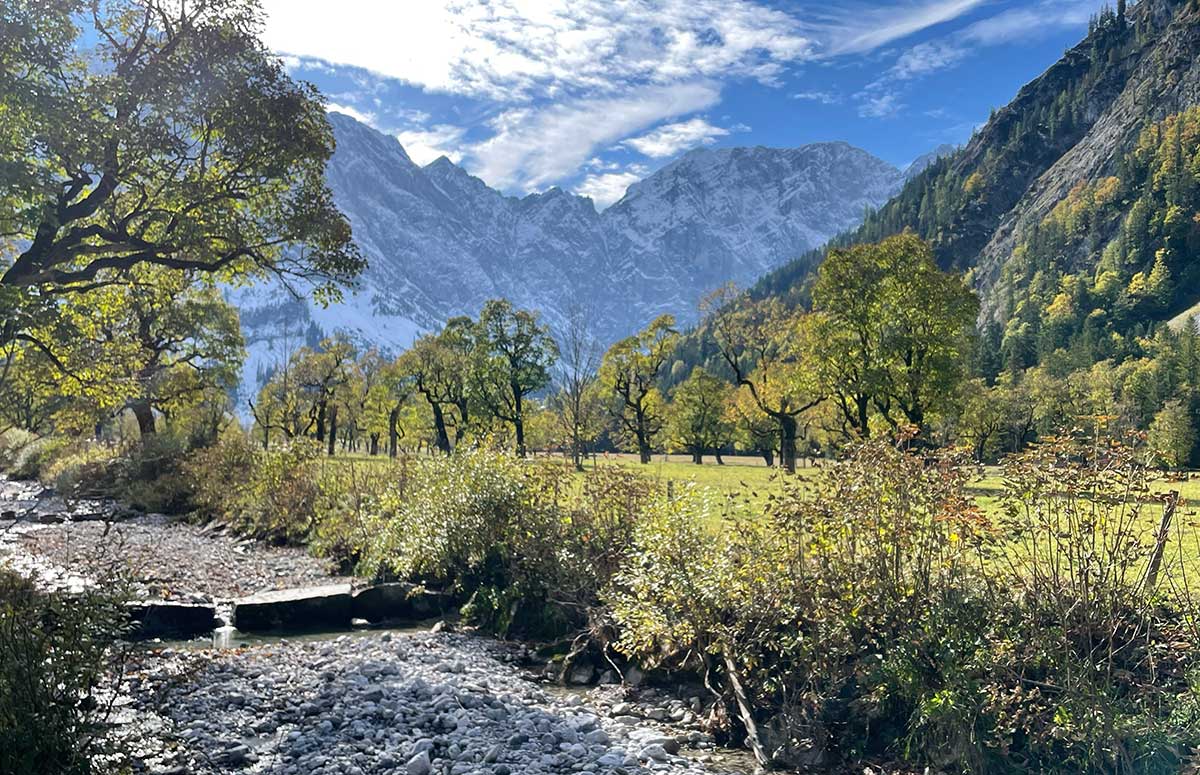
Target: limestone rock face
[{"x": 441, "y": 242}]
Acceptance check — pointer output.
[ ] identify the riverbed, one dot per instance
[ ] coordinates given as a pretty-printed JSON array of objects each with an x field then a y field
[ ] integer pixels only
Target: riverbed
[{"x": 418, "y": 700}]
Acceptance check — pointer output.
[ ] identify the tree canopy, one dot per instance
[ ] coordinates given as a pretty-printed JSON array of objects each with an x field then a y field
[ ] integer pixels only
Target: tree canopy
[
  {"x": 891, "y": 330},
  {"x": 631, "y": 370},
  {"x": 150, "y": 133}
]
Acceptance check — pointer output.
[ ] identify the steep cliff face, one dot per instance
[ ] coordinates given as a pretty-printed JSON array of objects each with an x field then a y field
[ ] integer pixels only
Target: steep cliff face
[
  {"x": 1154, "y": 73},
  {"x": 1072, "y": 126},
  {"x": 440, "y": 242}
]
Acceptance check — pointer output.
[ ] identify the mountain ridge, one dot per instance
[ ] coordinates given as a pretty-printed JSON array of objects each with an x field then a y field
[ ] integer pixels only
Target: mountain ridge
[
  {"x": 440, "y": 241},
  {"x": 1070, "y": 125}
]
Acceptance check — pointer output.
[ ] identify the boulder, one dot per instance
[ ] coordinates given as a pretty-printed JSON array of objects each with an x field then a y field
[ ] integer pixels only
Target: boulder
[
  {"x": 168, "y": 619},
  {"x": 581, "y": 674},
  {"x": 309, "y": 608},
  {"x": 397, "y": 602}
]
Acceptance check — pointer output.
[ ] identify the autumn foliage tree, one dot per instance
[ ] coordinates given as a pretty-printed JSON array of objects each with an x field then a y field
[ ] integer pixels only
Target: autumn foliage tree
[
  {"x": 630, "y": 371},
  {"x": 146, "y": 134},
  {"x": 890, "y": 330},
  {"x": 763, "y": 344},
  {"x": 697, "y": 416},
  {"x": 513, "y": 356}
]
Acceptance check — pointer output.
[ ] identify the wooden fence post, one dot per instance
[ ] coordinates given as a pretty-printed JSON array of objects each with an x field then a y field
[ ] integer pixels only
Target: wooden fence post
[{"x": 1160, "y": 541}]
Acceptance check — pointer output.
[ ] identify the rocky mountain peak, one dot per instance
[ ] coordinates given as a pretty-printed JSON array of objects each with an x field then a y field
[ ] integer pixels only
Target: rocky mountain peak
[{"x": 440, "y": 241}]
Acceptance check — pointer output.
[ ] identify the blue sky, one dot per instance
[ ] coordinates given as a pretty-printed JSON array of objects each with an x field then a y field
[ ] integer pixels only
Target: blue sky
[{"x": 591, "y": 95}]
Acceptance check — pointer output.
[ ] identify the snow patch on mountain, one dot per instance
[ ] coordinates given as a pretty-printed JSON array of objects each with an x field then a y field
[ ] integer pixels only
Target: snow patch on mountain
[{"x": 440, "y": 242}]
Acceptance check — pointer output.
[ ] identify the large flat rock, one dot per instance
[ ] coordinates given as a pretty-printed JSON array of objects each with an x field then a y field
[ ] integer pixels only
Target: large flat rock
[
  {"x": 310, "y": 608},
  {"x": 397, "y": 602},
  {"x": 168, "y": 619}
]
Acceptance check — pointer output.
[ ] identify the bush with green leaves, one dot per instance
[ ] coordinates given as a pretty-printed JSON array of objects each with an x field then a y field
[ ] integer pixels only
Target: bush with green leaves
[
  {"x": 880, "y": 614},
  {"x": 55, "y": 657},
  {"x": 32, "y": 456},
  {"x": 12, "y": 442},
  {"x": 349, "y": 498},
  {"x": 1092, "y": 659},
  {"x": 526, "y": 545},
  {"x": 268, "y": 494},
  {"x": 145, "y": 473},
  {"x": 471, "y": 520}
]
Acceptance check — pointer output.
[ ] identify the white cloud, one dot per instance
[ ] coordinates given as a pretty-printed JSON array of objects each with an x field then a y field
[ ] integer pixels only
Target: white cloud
[
  {"x": 823, "y": 97},
  {"x": 510, "y": 50},
  {"x": 1009, "y": 26},
  {"x": 1021, "y": 24},
  {"x": 426, "y": 145},
  {"x": 881, "y": 99},
  {"x": 855, "y": 29},
  {"x": 596, "y": 163},
  {"x": 926, "y": 58},
  {"x": 568, "y": 78},
  {"x": 607, "y": 188},
  {"x": 671, "y": 139},
  {"x": 365, "y": 117},
  {"x": 533, "y": 148},
  {"x": 879, "y": 105}
]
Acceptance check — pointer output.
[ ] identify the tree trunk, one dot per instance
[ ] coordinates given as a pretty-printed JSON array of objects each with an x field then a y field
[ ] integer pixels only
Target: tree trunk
[
  {"x": 717, "y": 454},
  {"x": 321, "y": 422},
  {"x": 697, "y": 456},
  {"x": 576, "y": 449},
  {"x": 145, "y": 417},
  {"x": 863, "y": 405},
  {"x": 768, "y": 455},
  {"x": 439, "y": 425},
  {"x": 643, "y": 440},
  {"x": 519, "y": 424},
  {"x": 393, "y": 436},
  {"x": 518, "y": 420},
  {"x": 374, "y": 444},
  {"x": 332, "y": 428},
  {"x": 464, "y": 420},
  {"x": 787, "y": 442}
]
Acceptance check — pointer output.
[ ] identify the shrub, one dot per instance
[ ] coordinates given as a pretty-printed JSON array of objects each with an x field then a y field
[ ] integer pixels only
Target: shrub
[
  {"x": 149, "y": 474},
  {"x": 12, "y": 442},
  {"x": 883, "y": 616},
  {"x": 218, "y": 474},
  {"x": 348, "y": 502},
  {"x": 833, "y": 612},
  {"x": 30, "y": 459},
  {"x": 270, "y": 495},
  {"x": 517, "y": 538},
  {"x": 82, "y": 470},
  {"x": 469, "y": 520},
  {"x": 1093, "y": 662},
  {"x": 145, "y": 474},
  {"x": 54, "y": 653}
]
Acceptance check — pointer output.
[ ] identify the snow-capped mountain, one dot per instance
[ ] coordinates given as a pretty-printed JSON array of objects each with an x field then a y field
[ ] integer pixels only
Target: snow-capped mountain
[
  {"x": 922, "y": 162},
  {"x": 440, "y": 242}
]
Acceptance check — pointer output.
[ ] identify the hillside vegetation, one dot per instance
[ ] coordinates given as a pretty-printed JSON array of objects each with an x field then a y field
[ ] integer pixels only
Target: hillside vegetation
[{"x": 1009, "y": 308}]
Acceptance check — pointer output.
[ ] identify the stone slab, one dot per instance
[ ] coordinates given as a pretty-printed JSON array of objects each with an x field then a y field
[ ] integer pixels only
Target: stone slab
[
  {"x": 308, "y": 608},
  {"x": 397, "y": 602},
  {"x": 168, "y": 619}
]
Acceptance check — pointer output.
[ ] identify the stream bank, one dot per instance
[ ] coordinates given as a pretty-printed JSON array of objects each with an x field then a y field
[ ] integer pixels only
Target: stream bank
[
  {"x": 382, "y": 702},
  {"x": 415, "y": 702}
]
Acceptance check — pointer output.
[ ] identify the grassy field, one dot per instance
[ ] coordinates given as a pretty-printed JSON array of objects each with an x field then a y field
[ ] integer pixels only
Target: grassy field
[
  {"x": 741, "y": 475},
  {"x": 747, "y": 482}
]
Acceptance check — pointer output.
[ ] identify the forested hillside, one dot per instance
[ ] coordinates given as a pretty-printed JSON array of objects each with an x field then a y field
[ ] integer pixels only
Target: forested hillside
[
  {"x": 1074, "y": 213},
  {"x": 1075, "y": 125}
]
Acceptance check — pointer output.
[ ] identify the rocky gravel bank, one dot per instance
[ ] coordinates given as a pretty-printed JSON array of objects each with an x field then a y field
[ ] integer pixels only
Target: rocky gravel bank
[
  {"x": 374, "y": 701},
  {"x": 410, "y": 703},
  {"x": 162, "y": 558}
]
